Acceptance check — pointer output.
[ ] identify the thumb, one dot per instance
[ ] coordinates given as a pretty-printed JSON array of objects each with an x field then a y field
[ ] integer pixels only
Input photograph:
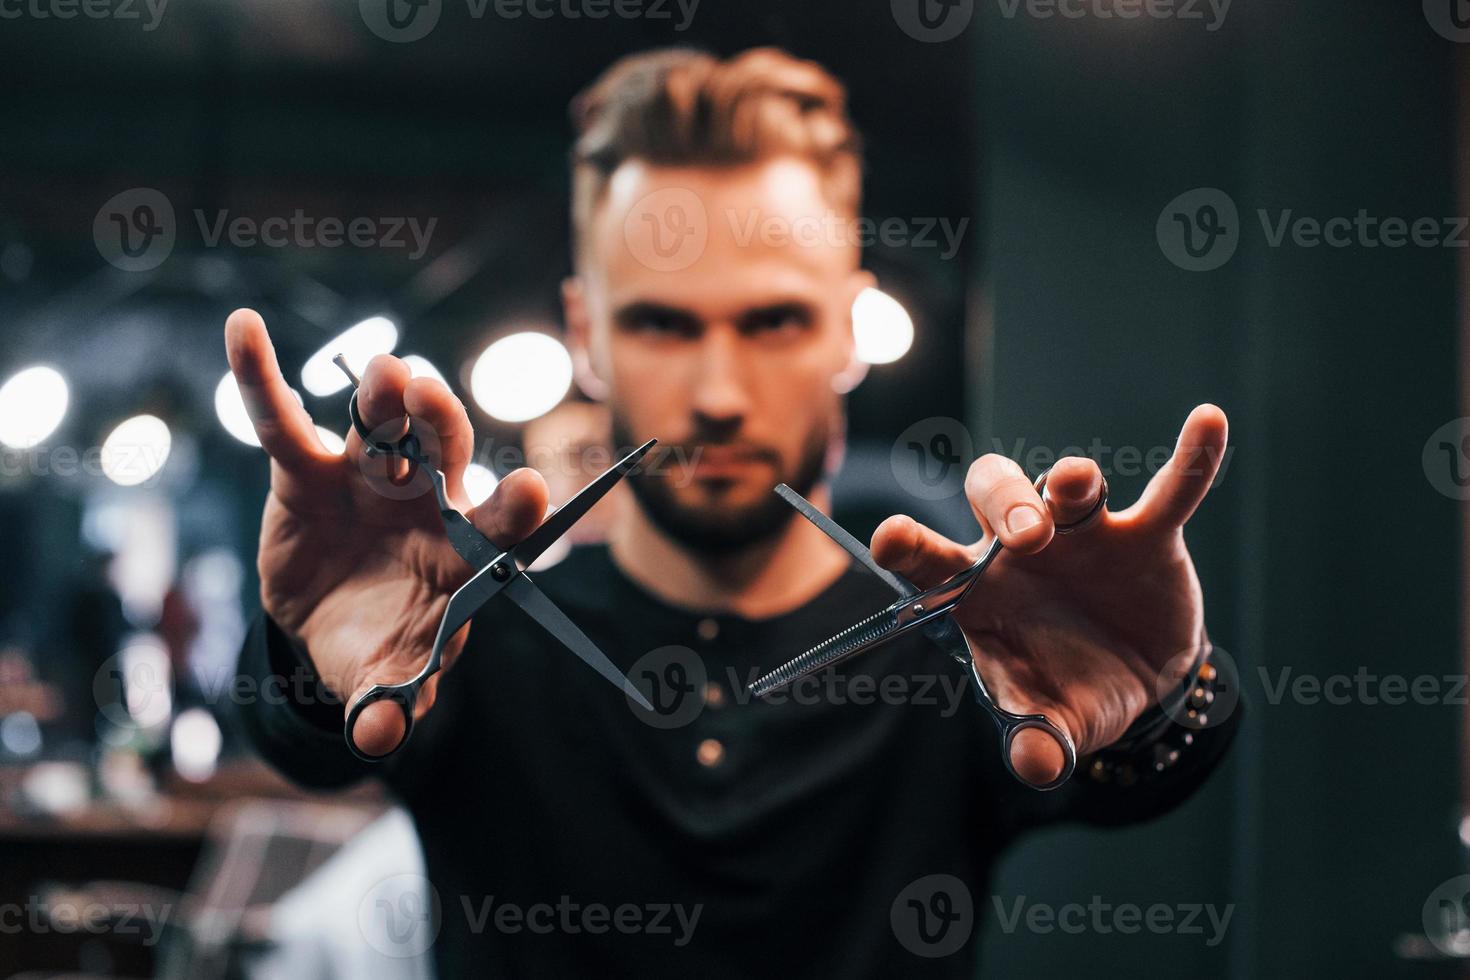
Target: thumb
[
  {"x": 1037, "y": 756},
  {"x": 381, "y": 726}
]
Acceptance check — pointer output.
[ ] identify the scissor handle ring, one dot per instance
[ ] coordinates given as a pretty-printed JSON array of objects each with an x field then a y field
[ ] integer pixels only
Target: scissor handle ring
[
  {"x": 1088, "y": 519},
  {"x": 407, "y": 447},
  {"x": 404, "y": 695},
  {"x": 1016, "y": 724}
]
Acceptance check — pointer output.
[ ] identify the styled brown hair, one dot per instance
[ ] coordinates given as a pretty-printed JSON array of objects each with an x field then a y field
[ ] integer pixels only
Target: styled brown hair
[{"x": 680, "y": 107}]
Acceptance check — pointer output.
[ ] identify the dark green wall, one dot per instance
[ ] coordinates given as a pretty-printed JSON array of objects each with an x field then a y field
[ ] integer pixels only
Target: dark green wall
[{"x": 1324, "y": 548}]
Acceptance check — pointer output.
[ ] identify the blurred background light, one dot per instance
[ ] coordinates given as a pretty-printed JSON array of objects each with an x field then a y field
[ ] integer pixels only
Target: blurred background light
[
  {"x": 331, "y": 442},
  {"x": 230, "y": 407},
  {"x": 32, "y": 404},
  {"x": 359, "y": 343},
  {"x": 136, "y": 450},
  {"x": 420, "y": 367},
  {"x": 882, "y": 328},
  {"x": 194, "y": 742},
  {"x": 20, "y": 734},
  {"x": 479, "y": 483},
  {"x": 521, "y": 376},
  {"x": 147, "y": 679}
]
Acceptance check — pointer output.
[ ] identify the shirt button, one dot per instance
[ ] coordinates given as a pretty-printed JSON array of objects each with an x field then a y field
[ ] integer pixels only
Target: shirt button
[
  {"x": 711, "y": 753},
  {"x": 707, "y": 629},
  {"x": 714, "y": 695}
]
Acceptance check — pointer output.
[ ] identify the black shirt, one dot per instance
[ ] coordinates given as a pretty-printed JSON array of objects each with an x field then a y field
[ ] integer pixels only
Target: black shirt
[{"x": 569, "y": 833}]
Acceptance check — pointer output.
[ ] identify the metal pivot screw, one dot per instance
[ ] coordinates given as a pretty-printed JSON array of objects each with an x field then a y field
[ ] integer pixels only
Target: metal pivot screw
[{"x": 499, "y": 572}]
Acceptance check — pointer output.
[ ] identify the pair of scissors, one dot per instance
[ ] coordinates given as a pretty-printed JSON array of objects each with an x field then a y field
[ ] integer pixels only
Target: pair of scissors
[
  {"x": 927, "y": 610},
  {"x": 501, "y": 571}
]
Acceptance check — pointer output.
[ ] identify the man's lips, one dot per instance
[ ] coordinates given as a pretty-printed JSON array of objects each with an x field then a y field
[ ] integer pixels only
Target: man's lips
[{"x": 716, "y": 462}]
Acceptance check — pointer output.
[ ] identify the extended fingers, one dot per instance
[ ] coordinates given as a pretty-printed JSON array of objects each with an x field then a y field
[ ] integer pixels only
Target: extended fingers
[
  {"x": 429, "y": 402},
  {"x": 284, "y": 428},
  {"x": 1006, "y": 503},
  {"x": 1073, "y": 488},
  {"x": 1175, "y": 492},
  {"x": 920, "y": 554},
  {"x": 514, "y": 509},
  {"x": 380, "y": 401}
]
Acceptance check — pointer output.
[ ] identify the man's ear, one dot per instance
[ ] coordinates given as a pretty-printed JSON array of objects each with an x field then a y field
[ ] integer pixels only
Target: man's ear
[
  {"x": 579, "y": 338},
  {"x": 852, "y": 371}
]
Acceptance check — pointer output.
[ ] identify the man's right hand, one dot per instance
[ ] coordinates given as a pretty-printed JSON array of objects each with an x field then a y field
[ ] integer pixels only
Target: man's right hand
[{"x": 359, "y": 576}]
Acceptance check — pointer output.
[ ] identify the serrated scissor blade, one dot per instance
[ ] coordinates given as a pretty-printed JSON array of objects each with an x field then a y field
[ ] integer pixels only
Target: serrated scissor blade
[{"x": 851, "y": 641}]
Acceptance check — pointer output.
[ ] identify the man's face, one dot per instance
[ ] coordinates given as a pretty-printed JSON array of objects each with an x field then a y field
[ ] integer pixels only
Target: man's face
[{"x": 716, "y": 303}]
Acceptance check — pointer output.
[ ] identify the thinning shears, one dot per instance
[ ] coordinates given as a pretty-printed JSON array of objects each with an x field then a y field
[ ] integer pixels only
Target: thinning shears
[
  {"x": 928, "y": 610},
  {"x": 501, "y": 571}
]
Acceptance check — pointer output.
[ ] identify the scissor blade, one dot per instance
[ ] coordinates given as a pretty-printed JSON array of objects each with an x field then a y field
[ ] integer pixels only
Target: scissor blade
[
  {"x": 847, "y": 542},
  {"x": 466, "y": 601},
  {"x": 850, "y": 642},
  {"x": 524, "y": 593},
  {"x": 569, "y": 513}
]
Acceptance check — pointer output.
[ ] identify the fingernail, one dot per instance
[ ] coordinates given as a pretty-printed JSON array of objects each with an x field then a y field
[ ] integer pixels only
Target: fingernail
[{"x": 1022, "y": 517}]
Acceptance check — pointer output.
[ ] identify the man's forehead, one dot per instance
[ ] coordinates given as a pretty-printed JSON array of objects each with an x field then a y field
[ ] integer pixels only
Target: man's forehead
[{"x": 696, "y": 229}]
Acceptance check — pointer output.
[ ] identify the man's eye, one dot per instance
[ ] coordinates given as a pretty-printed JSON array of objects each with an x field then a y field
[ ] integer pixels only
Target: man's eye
[
  {"x": 779, "y": 320},
  {"x": 662, "y": 324}
]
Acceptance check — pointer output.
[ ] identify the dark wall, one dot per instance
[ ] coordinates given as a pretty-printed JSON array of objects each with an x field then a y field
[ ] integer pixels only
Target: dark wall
[{"x": 1324, "y": 548}]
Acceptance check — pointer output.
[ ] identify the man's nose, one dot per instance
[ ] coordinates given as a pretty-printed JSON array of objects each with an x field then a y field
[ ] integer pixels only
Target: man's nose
[{"x": 720, "y": 396}]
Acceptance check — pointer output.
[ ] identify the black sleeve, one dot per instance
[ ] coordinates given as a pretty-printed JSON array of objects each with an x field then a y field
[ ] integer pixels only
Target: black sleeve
[
  {"x": 291, "y": 718},
  {"x": 1097, "y": 796}
]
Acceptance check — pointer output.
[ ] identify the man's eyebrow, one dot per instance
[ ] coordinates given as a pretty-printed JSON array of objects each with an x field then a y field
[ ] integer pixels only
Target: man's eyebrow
[
  {"x": 639, "y": 310},
  {"x": 797, "y": 308},
  {"x": 779, "y": 306}
]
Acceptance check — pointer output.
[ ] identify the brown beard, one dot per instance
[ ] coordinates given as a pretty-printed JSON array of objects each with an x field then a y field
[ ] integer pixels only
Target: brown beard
[{"x": 720, "y": 529}]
